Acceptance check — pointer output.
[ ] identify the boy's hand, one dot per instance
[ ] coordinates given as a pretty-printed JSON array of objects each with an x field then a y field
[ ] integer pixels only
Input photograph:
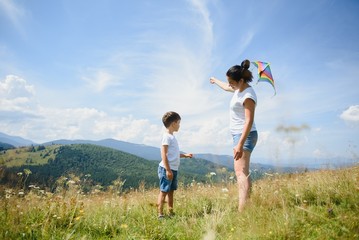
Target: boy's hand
[
  {"x": 188, "y": 155},
  {"x": 169, "y": 175}
]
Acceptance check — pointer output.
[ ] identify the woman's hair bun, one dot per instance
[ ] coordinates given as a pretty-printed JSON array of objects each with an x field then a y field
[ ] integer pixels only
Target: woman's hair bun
[{"x": 245, "y": 64}]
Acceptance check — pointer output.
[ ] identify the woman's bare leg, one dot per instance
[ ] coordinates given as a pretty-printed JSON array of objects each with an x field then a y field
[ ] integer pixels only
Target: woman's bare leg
[{"x": 241, "y": 168}]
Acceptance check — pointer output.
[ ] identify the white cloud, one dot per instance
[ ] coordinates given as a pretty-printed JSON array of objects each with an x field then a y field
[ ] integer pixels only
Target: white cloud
[
  {"x": 42, "y": 124},
  {"x": 177, "y": 72},
  {"x": 318, "y": 153},
  {"x": 246, "y": 41},
  {"x": 14, "y": 12},
  {"x": 70, "y": 123},
  {"x": 264, "y": 137},
  {"x": 283, "y": 145},
  {"x": 204, "y": 24},
  {"x": 128, "y": 129},
  {"x": 199, "y": 136},
  {"x": 100, "y": 79},
  {"x": 16, "y": 94},
  {"x": 82, "y": 123},
  {"x": 14, "y": 86},
  {"x": 351, "y": 114}
]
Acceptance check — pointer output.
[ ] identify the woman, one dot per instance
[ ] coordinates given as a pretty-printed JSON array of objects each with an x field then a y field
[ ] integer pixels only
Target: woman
[{"x": 242, "y": 126}]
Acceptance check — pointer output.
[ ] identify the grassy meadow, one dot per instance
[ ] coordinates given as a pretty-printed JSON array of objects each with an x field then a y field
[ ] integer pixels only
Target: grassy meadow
[
  {"x": 314, "y": 205},
  {"x": 28, "y": 155}
]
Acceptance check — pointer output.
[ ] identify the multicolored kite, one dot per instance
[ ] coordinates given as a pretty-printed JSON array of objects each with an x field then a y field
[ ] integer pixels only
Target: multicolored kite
[{"x": 264, "y": 73}]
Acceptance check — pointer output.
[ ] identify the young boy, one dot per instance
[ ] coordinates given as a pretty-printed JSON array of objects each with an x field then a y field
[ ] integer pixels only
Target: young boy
[{"x": 168, "y": 167}]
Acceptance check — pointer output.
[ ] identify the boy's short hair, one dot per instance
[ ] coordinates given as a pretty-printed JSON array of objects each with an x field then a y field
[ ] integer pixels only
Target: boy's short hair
[{"x": 170, "y": 117}]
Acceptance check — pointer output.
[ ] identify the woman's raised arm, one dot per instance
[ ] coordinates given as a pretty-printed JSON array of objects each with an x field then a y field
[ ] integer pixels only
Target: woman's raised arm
[{"x": 223, "y": 85}]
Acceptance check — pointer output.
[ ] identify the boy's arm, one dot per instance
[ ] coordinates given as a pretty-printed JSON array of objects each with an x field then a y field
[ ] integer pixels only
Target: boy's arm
[
  {"x": 164, "y": 151},
  {"x": 186, "y": 155}
]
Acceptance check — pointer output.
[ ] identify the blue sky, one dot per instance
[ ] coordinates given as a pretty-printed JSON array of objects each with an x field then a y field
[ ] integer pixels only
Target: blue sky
[{"x": 110, "y": 69}]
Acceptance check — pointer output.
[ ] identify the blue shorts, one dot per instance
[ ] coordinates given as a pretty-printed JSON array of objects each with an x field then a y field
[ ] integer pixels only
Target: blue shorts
[
  {"x": 250, "y": 142},
  {"x": 165, "y": 184}
]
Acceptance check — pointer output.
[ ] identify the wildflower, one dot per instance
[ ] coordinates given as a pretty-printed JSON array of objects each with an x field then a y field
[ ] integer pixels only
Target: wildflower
[
  {"x": 225, "y": 190},
  {"x": 124, "y": 226},
  {"x": 21, "y": 193},
  {"x": 77, "y": 218},
  {"x": 19, "y": 173},
  {"x": 9, "y": 191},
  {"x": 212, "y": 173},
  {"x": 27, "y": 172}
]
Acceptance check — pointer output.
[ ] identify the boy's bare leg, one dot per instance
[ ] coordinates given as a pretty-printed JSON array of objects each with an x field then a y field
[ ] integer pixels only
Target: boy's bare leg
[
  {"x": 170, "y": 201},
  {"x": 241, "y": 168},
  {"x": 160, "y": 202}
]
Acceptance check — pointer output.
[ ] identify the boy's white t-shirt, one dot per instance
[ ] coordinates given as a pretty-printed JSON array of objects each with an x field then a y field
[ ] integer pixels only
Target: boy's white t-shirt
[
  {"x": 236, "y": 112},
  {"x": 173, "y": 154}
]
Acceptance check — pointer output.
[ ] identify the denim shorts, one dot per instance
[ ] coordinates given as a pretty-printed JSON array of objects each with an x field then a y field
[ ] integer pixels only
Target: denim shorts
[
  {"x": 165, "y": 184},
  {"x": 250, "y": 142}
]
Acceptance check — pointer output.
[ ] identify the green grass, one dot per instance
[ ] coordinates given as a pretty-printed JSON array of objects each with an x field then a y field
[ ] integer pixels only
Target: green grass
[
  {"x": 313, "y": 205},
  {"x": 27, "y": 156}
]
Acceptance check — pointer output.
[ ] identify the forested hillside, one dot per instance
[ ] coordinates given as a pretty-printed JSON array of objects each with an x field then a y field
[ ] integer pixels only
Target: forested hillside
[
  {"x": 5, "y": 146},
  {"x": 95, "y": 165}
]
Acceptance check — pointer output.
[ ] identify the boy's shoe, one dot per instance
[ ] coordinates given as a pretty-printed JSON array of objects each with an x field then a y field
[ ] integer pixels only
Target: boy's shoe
[
  {"x": 160, "y": 217},
  {"x": 171, "y": 214}
]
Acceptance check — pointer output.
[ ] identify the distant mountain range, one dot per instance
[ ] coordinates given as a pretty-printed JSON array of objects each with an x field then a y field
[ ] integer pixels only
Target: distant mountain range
[
  {"x": 14, "y": 141},
  {"x": 144, "y": 151}
]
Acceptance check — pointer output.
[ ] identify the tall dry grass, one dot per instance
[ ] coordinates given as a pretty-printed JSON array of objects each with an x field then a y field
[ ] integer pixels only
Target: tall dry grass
[{"x": 313, "y": 205}]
